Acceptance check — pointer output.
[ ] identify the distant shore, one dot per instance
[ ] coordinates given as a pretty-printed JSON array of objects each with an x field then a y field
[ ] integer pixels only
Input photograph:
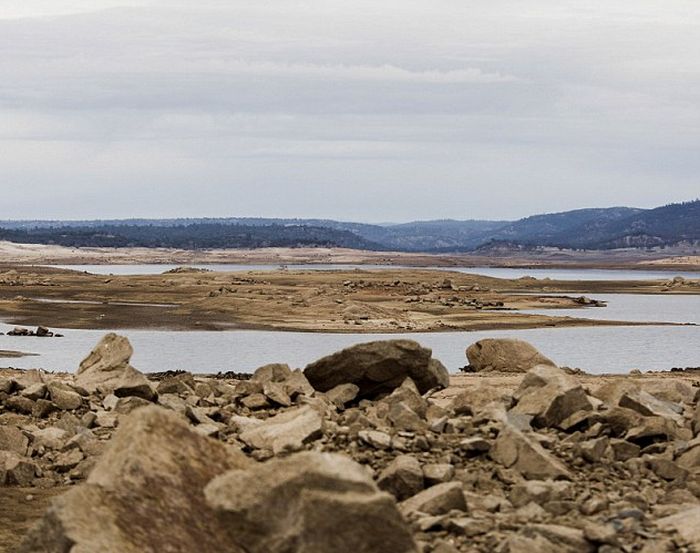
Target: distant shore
[{"x": 633, "y": 259}]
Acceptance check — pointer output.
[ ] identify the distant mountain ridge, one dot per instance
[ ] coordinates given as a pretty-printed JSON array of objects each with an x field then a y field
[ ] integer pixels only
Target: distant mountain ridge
[{"x": 594, "y": 228}]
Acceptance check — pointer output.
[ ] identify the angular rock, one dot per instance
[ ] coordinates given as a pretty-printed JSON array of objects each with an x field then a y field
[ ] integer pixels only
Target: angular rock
[
  {"x": 50, "y": 438},
  {"x": 16, "y": 470},
  {"x": 63, "y": 396},
  {"x": 474, "y": 399},
  {"x": 107, "y": 370},
  {"x": 12, "y": 439},
  {"x": 34, "y": 391},
  {"x": 7, "y": 385},
  {"x": 275, "y": 392},
  {"x": 375, "y": 438},
  {"x": 298, "y": 385},
  {"x": 275, "y": 372},
  {"x": 144, "y": 494},
  {"x": 438, "y": 473},
  {"x": 568, "y": 540},
  {"x": 255, "y": 401},
  {"x": 342, "y": 394},
  {"x": 539, "y": 492},
  {"x": 378, "y": 368},
  {"x": 308, "y": 503},
  {"x": 515, "y": 449},
  {"x": 505, "y": 355},
  {"x": 647, "y": 405},
  {"x": 134, "y": 383},
  {"x": 686, "y": 523},
  {"x": 402, "y": 478},
  {"x": 288, "y": 430},
  {"x": 667, "y": 469},
  {"x": 593, "y": 450},
  {"x": 550, "y": 396},
  {"x": 436, "y": 500},
  {"x": 624, "y": 450}
]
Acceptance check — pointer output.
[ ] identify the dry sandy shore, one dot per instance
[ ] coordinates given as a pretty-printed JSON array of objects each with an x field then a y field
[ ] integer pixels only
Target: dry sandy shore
[
  {"x": 365, "y": 301},
  {"x": 550, "y": 257}
]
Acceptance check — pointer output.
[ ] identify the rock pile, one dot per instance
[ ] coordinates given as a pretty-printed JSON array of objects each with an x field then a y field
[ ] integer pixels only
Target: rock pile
[{"x": 291, "y": 461}]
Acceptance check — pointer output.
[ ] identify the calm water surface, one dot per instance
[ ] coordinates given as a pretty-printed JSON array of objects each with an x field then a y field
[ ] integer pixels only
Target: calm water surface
[{"x": 597, "y": 349}]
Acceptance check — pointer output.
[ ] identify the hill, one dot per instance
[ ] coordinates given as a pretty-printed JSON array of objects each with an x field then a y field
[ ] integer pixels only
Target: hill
[{"x": 597, "y": 229}]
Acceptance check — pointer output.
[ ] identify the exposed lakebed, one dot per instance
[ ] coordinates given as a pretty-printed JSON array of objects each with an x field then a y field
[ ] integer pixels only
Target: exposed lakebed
[{"x": 594, "y": 349}]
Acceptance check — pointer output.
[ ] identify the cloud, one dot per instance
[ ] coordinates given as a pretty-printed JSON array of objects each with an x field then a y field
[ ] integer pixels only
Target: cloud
[{"x": 394, "y": 110}]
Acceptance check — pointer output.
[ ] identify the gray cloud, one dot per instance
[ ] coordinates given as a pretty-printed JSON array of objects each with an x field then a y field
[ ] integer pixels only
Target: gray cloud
[{"x": 397, "y": 110}]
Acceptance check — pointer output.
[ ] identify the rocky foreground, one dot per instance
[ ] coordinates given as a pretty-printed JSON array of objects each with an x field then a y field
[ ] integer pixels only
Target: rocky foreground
[{"x": 360, "y": 452}]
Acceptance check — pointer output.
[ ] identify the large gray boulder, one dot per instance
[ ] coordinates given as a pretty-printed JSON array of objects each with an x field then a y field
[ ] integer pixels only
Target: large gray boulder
[
  {"x": 308, "y": 503},
  {"x": 378, "y": 368},
  {"x": 107, "y": 370},
  {"x": 505, "y": 355},
  {"x": 145, "y": 494}
]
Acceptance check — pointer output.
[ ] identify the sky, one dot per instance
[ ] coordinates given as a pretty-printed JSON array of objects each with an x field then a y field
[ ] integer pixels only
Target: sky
[{"x": 369, "y": 111}]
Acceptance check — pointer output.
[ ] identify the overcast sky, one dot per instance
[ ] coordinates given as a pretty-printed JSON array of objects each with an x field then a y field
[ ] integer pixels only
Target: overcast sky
[{"x": 386, "y": 110}]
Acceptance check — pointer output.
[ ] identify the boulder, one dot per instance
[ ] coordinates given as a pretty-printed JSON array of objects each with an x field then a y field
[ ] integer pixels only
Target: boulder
[
  {"x": 378, "y": 368},
  {"x": 146, "y": 493},
  {"x": 107, "y": 370},
  {"x": 308, "y": 503},
  {"x": 550, "y": 396},
  {"x": 505, "y": 355},
  {"x": 286, "y": 431},
  {"x": 515, "y": 449}
]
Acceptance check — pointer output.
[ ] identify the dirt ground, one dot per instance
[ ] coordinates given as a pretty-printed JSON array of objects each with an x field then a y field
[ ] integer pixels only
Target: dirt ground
[
  {"x": 357, "y": 301},
  {"x": 19, "y": 509}
]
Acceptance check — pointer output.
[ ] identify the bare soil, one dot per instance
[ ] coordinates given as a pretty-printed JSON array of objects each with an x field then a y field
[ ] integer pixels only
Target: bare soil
[{"x": 364, "y": 301}]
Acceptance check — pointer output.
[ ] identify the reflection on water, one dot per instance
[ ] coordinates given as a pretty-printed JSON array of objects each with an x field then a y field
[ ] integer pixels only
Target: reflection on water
[{"x": 597, "y": 349}]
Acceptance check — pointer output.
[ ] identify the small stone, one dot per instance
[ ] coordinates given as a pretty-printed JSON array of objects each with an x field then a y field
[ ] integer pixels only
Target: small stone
[
  {"x": 255, "y": 401},
  {"x": 375, "y": 438},
  {"x": 402, "y": 478},
  {"x": 438, "y": 473}
]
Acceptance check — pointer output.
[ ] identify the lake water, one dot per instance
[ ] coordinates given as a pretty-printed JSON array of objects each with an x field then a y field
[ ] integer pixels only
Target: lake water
[
  {"x": 635, "y": 307},
  {"x": 596, "y": 349},
  {"x": 498, "y": 272}
]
